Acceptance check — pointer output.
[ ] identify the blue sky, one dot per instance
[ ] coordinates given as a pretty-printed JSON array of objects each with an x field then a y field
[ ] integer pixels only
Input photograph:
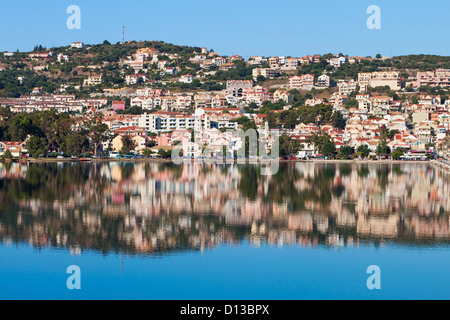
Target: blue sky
[{"x": 247, "y": 27}]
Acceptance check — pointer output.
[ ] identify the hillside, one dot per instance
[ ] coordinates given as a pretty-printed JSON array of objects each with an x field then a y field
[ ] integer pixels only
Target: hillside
[{"x": 66, "y": 68}]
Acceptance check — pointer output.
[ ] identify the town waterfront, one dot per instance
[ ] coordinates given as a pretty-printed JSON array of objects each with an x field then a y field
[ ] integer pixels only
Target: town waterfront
[{"x": 152, "y": 230}]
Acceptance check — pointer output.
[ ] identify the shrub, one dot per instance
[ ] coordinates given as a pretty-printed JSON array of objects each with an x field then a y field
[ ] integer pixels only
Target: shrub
[{"x": 7, "y": 155}]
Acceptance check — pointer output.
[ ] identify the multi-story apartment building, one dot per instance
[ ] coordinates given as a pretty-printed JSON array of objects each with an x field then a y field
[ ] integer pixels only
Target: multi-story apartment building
[
  {"x": 364, "y": 79},
  {"x": 347, "y": 87},
  {"x": 210, "y": 118},
  {"x": 338, "y": 101},
  {"x": 202, "y": 119},
  {"x": 236, "y": 87},
  {"x": 136, "y": 65},
  {"x": 440, "y": 77},
  {"x": 305, "y": 82},
  {"x": 386, "y": 78},
  {"x": 164, "y": 121},
  {"x": 257, "y": 95},
  {"x": 33, "y": 103},
  {"x": 380, "y": 79},
  {"x": 323, "y": 81},
  {"x": 381, "y": 101},
  {"x": 274, "y": 62},
  {"x": 364, "y": 102},
  {"x": 93, "y": 81},
  {"x": 146, "y": 103},
  {"x": 282, "y": 96},
  {"x": 292, "y": 63},
  {"x": 267, "y": 73}
]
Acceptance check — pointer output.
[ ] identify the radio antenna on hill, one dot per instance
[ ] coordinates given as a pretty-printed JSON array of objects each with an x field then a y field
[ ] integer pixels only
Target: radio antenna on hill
[{"x": 123, "y": 34}]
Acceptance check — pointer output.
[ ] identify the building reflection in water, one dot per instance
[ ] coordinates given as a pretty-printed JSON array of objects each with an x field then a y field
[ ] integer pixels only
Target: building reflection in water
[{"x": 156, "y": 209}]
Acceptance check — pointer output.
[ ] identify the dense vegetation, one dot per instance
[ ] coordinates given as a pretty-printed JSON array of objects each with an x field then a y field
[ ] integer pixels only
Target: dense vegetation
[{"x": 48, "y": 131}]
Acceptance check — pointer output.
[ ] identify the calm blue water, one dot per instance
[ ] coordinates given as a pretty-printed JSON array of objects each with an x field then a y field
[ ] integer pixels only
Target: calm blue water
[
  {"x": 229, "y": 272},
  {"x": 155, "y": 232}
]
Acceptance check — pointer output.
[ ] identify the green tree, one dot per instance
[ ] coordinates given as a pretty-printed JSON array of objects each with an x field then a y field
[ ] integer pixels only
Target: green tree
[
  {"x": 248, "y": 124},
  {"x": 147, "y": 152},
  {"x": 36, "y": 146},
  {"x": 98, "y": 131},
  {"x": 127, "y": 145},
  {"x": 328, "y": 149},
  {"x": 164, "y": 153},
  {"x": 351, "y": 104},
  {"x": 289, "y": 146},
  {"x": 338, "y": 120},
  {"x": 345, "y": 152},
  {"x": 364, "y": 150},
  {"x": 383, "y": 148},
  {"x": 75, "y": 143},
  {"x": 260, "y": 79},
  {"x": 398, "y": 153},
  {"x": 20, "y": 126},
  {"x": 318, "y": 140},
  {"x": 272, "y": 120},
  {"x": 291, "y": 119}
]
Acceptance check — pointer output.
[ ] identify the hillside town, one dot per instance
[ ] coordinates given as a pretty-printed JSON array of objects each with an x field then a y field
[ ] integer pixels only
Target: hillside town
[{"x": 142, "y": 99}]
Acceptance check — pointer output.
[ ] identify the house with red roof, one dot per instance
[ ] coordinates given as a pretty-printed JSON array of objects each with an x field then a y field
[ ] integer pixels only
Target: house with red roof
[
  {"x": 15, "y": 147},
  {"x": 118, "y": 105}
]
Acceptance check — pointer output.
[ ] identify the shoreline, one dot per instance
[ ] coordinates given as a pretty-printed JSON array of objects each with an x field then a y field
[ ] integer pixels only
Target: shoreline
[
  {"x": 353, "y": 161},
  {"x": 443, "y": 166}
]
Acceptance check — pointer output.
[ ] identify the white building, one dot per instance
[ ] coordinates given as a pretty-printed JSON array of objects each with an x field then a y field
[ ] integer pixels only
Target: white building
[
  {"x": 323, "y": 81},
  {"x": 78, "y": 45},
  {"x": 186, "y": 78},
  {"x": 347, "y": 87},
  {"x": 93, "y": 81},
  {"x": 134, "y": 78},
  {"x": 164, "y": 121}
]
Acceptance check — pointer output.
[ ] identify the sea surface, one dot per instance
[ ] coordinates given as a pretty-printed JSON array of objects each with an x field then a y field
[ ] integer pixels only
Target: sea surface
[{"x": 165, "y": 231}]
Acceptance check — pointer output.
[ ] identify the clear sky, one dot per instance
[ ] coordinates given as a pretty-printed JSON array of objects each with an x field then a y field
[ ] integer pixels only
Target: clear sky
[{"x": 246, "y": 27}]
